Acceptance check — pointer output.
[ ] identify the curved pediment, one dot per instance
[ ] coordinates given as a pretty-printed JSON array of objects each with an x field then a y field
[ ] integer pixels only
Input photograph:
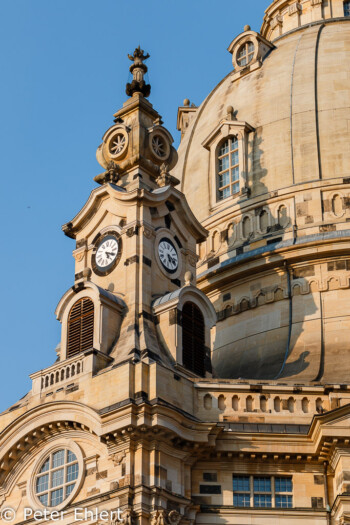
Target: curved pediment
[{"x": 148, "y": 198}]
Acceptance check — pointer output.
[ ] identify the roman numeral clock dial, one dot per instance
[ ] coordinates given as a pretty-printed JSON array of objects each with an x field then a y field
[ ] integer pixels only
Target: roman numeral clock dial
[
  {"x": 168, "y": 255},
  {"x": 106, "y": 254}
]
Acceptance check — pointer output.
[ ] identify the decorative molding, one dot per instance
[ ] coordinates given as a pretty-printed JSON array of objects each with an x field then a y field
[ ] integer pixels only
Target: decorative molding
[
  {"x": 300, "y": 286},
  {"x": 118, "y": 457},
  {"x": 296, "y": 7}
]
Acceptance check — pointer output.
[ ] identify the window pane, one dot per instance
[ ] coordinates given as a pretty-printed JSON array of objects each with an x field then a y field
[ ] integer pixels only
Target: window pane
[
  {"x": 283, "y": 485},
  {"x": 262, "y": 500},
  {"x": 45, "y": 466},
  {"x": 42, "y": 483},
  {"x": 44, "y": 499},
  {"x": 262, "y": 484},
  {"x": 69, "y": 489},
  {"x": 234, "y": 143},
  {"x": 241, "y": 500},
  {"x": 224, "y": 148},
  {"x": 223, "y": 194},
  {"x": 58, "y": 459},
  {"x": 57, "y": 477},
  {"x": 224, "y": 179},
  {"x": 56, "y": 497},
  {"x": 250, "y": 47},
  {"x": 235, "y": 188},
  {"x": 234, "y": 158},
  {"x": 284, "y": 502},
  {"x": 223, "y": 163},
  {"x": 241, "y": 484},
  {"x": 71, "y": 457},
  {"x": 235, "y": 174},
  {"x": 72, "y": 472},
  {"x": 346, "y": 8}
]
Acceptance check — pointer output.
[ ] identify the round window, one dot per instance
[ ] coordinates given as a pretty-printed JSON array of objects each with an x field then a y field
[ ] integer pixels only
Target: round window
[
  {"x": 117, "y": 144},
  {"x": 159, "y": 146},
  {"x": 56, "y": 477},
  {"x": 245, "y": 54}
]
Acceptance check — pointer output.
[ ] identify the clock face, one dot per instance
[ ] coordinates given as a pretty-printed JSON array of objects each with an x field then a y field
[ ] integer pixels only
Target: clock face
[
  {"x": 106, "y": 254},
  {"x": 168, "y": 255}
]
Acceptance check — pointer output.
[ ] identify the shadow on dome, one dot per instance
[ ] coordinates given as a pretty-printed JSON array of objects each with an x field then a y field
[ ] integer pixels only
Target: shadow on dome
[{"x": 274, "y": 332}]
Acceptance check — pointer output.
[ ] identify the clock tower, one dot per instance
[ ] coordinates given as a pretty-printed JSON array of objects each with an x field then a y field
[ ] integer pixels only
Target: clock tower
[{"x": 135, "y": 255}]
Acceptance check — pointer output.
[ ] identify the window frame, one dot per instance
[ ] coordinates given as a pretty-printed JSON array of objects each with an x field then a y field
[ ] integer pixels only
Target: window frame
[
  {"x": 232, "y": 149},
  {"x": 227, "y": 129},
  {"x": 273, "y": 493},
  {"x": 48, "y": 452},
  {"x": 80, "y": 329},
  {"x": 193, "y": 339},
  {"x": 346, "y": 8},
  {"x": 51, "y": 471},
  {"x": 248, "y": 53}
]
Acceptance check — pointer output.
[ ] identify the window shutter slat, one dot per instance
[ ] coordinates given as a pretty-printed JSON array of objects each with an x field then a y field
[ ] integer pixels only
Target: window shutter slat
[{"x": 80, "y": 327}]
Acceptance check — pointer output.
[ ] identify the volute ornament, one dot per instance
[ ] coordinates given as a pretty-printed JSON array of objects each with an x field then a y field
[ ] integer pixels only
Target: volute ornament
[{"x": 174, "y": 517}]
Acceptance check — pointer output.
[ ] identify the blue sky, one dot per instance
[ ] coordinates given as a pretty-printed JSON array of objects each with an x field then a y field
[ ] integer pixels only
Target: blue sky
[{"x": 64, "y": 67}]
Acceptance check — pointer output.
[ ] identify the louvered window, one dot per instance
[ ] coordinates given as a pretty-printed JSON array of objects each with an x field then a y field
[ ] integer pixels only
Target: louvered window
[
  {"x": 80, "y": 327},
  {"x": 193, "y": 339}
]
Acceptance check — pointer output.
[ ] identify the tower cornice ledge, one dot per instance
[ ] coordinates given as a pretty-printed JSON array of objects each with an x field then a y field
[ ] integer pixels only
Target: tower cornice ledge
[{"x": 149, "y": 198}]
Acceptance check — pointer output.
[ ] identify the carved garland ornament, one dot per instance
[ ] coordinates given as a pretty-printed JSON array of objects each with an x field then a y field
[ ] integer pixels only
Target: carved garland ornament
[{"x": 160, "y": 517}]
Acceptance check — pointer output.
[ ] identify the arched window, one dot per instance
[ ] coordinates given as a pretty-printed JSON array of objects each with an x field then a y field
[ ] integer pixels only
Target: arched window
[
  {"x": 264, "y": 221},
  {"x": 337, "y": 205},
  {"x": 208, "y": 402},
  {"x": 291, "y": 404},
  {"x": 305, "y": 405},
  {"x": 263, "y": 403},
  {"x": 221, "y": 402},
  {"x": 193, "y": 339},
  {"x": 80, "y": 327},
  {"x": 249, "y": 404},
  {"x": 228, "y": 168},
  {"x": 235, "y": 403},
  {"x": 277, "y": 404},
  {"x": 283, "y": 216},
  {"x": 246, "y": 227}
]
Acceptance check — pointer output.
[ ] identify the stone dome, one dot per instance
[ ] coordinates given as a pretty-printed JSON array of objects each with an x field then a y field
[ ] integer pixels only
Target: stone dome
[
  {"x": 276, "y": 263},
  {"x": 298, "y": 104}
]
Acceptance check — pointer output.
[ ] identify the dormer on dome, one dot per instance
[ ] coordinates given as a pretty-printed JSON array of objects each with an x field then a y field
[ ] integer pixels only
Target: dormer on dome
[
  {"x": 137, "y": 149},
  {"x": 248, "y": 52},
  {"x": 226, "y": 130},
  {"x": 283, "y": 16}
]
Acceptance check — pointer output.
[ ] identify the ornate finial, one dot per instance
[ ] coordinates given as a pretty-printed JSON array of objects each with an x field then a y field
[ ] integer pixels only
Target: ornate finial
[
  {"x": 111, "y": 175},
  {"x": 165, "y": 179},
  {"x": 138, "y": 70}
]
